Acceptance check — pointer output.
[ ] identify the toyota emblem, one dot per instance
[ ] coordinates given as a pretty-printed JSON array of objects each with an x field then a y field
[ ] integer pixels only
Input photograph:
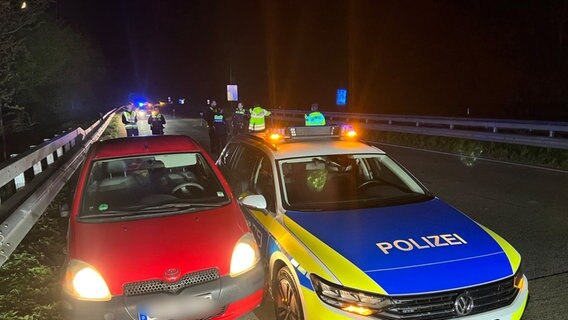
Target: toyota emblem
[
  {"x": 463, "y": 304},
  {"x": 172, "y": 275}
]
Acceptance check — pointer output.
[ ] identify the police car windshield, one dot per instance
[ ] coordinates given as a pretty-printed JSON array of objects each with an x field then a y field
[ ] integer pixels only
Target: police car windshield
[
  {"x": 166, "y": 181},
  {"x": 330, "y": 182}
]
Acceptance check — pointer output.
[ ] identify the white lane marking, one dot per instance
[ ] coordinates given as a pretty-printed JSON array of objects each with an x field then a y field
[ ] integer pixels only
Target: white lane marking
[
  {"x": 457, "y": 155},
  {"x": 435, "y": 263}
]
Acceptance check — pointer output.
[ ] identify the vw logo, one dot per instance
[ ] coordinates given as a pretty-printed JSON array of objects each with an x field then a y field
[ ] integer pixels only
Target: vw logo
[
  {"x": 463, "y": 304},
  {"x": 172, "y": 275}
]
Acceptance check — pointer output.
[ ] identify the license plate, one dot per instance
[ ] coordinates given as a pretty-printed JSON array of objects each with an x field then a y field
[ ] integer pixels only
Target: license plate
[{"x": 174, "y": 308}]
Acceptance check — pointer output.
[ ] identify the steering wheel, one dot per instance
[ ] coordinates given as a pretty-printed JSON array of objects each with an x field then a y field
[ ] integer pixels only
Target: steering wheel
[{"x": 185, "y": 185}]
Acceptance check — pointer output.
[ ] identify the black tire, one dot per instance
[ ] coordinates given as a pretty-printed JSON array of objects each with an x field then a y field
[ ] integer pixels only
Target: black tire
[{"x": 287, "y": 302}]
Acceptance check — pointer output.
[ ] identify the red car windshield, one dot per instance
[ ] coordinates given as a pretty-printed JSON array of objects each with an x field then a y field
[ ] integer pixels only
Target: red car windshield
[{"x": 149, "y": 184}]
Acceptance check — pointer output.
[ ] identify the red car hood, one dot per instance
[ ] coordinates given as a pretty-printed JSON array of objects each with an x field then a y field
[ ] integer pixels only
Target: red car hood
[{"x": 144, "y": 249}]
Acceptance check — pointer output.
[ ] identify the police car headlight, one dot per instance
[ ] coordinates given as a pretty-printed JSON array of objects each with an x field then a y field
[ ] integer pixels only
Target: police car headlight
[
  {"x": 347, "y": 299},
  {"x": 245, "y": 255},
  {"x": 84, "y": 282}
]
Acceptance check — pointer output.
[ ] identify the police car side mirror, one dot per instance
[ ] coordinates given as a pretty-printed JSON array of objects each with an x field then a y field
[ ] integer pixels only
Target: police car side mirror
[{"x": 254, "y": 201}]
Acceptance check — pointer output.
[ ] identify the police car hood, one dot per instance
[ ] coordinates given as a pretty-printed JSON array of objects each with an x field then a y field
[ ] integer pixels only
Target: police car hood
[{"x": 409, "y": 249}]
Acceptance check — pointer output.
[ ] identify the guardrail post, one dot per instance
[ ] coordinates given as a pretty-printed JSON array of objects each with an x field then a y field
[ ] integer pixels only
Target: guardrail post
[
  {"x": 37, "y": 168},
  {"x": 19, "y": 180},
  {"x": 49, "y": 158},
  {"x": 551, "y": 134},
  {"x": 59, "y": 152},
  {"x": 494, "y": 129}
]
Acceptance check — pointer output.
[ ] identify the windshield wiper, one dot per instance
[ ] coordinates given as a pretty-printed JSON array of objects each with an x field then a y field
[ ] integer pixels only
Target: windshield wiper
[
  {"x": 109, "y": 214},
  {"x": 183, "y": 205},
  {"x": 170, "y": 207}
]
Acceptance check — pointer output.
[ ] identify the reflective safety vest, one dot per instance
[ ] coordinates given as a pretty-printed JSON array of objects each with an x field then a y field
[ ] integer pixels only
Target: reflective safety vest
[
  {"x": 130, "y": 117},
  {"x": 156, "y": 117},
  {"x": 315, "y": 118},
  {"x": 257, "y": 115},
  {"x": 317, "y": 179},
  {"x": 239, "y": 116},
  {"x": 218, "y": 118}
]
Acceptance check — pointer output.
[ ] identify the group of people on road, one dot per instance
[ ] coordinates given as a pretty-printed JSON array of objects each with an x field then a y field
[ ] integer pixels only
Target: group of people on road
[
  {"x": 241, "y": 122},
  {"x": 156, "y": 120},
  {"x": 219, "y": 128}
]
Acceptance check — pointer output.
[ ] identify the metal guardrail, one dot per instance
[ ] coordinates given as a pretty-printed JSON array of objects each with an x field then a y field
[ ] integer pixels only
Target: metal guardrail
[
  {"x": 25, "y": 214},
  {"x": 546, "y": 134}
]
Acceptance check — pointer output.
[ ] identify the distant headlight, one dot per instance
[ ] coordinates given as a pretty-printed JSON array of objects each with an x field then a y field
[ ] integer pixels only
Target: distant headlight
[
  {"x": 84, "y": 282},
  {"x": 245, "y": 255},
  {"x": 347, "y": 299}
]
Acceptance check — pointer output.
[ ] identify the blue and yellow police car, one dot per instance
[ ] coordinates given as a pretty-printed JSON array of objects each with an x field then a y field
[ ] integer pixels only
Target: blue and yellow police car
[{"x": 347, "y": 233}]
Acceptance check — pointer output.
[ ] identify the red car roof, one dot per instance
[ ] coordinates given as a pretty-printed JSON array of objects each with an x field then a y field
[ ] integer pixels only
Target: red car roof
[{"x": 124, "y": 147}]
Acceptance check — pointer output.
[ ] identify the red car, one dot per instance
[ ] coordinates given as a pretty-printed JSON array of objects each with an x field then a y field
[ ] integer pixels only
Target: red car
[{"x": 155, "y": 233}]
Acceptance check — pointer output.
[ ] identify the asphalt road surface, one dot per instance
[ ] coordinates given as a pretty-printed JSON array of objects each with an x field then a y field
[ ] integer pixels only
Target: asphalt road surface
[{"x": 527, "y": 206}]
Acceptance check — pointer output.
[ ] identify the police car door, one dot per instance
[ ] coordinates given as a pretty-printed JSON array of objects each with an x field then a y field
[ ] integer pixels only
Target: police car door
[
  {"x": 261, "y": 221},
  {"x": 247, "y": 174}
]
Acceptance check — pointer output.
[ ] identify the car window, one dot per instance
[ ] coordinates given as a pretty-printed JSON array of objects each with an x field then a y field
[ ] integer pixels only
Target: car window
[
  {"x": 224, "y": 161},
  {"x": 264, "y": 183},
  {"x": 346, "y": 182},
  {"x": 243, "y": 169},
  {"x": 138, "y": 183}
]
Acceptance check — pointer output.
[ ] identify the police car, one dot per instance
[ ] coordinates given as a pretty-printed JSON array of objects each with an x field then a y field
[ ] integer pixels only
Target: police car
[{"x": 347, "y": 233}]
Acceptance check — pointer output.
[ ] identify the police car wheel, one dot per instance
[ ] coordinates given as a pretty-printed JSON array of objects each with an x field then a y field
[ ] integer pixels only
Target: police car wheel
[{"x": 286, "y": 296}]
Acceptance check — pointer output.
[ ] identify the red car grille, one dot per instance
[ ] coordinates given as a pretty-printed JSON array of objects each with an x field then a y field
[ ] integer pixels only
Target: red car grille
[{"x": 155, "y": 286}]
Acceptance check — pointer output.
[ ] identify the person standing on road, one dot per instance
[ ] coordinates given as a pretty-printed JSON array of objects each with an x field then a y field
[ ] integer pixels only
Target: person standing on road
[
  {"x": 217, "y": 128},
  {"x": 239, "y": 120},
  {"x": 130, "y": 121},
  {"x": 257, "y": 118},
  {"x": 315, "y": 118},
  {"x": 157, "y": 121}
]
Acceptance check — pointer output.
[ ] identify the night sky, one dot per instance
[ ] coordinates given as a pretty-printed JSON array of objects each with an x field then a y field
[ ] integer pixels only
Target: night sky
[{"x": 503, "y": 59}]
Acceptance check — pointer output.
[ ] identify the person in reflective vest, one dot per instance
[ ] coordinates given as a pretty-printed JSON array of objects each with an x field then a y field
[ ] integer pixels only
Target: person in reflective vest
[
  {"x": 129, "y": 119},
  {"x": 239, "y": 120},
  {"x": 315, "y": 118},
  {"x": 217, "y": 128},
  {"x": 157, "y": 122},
  {"x": 257, "y": 121}
]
